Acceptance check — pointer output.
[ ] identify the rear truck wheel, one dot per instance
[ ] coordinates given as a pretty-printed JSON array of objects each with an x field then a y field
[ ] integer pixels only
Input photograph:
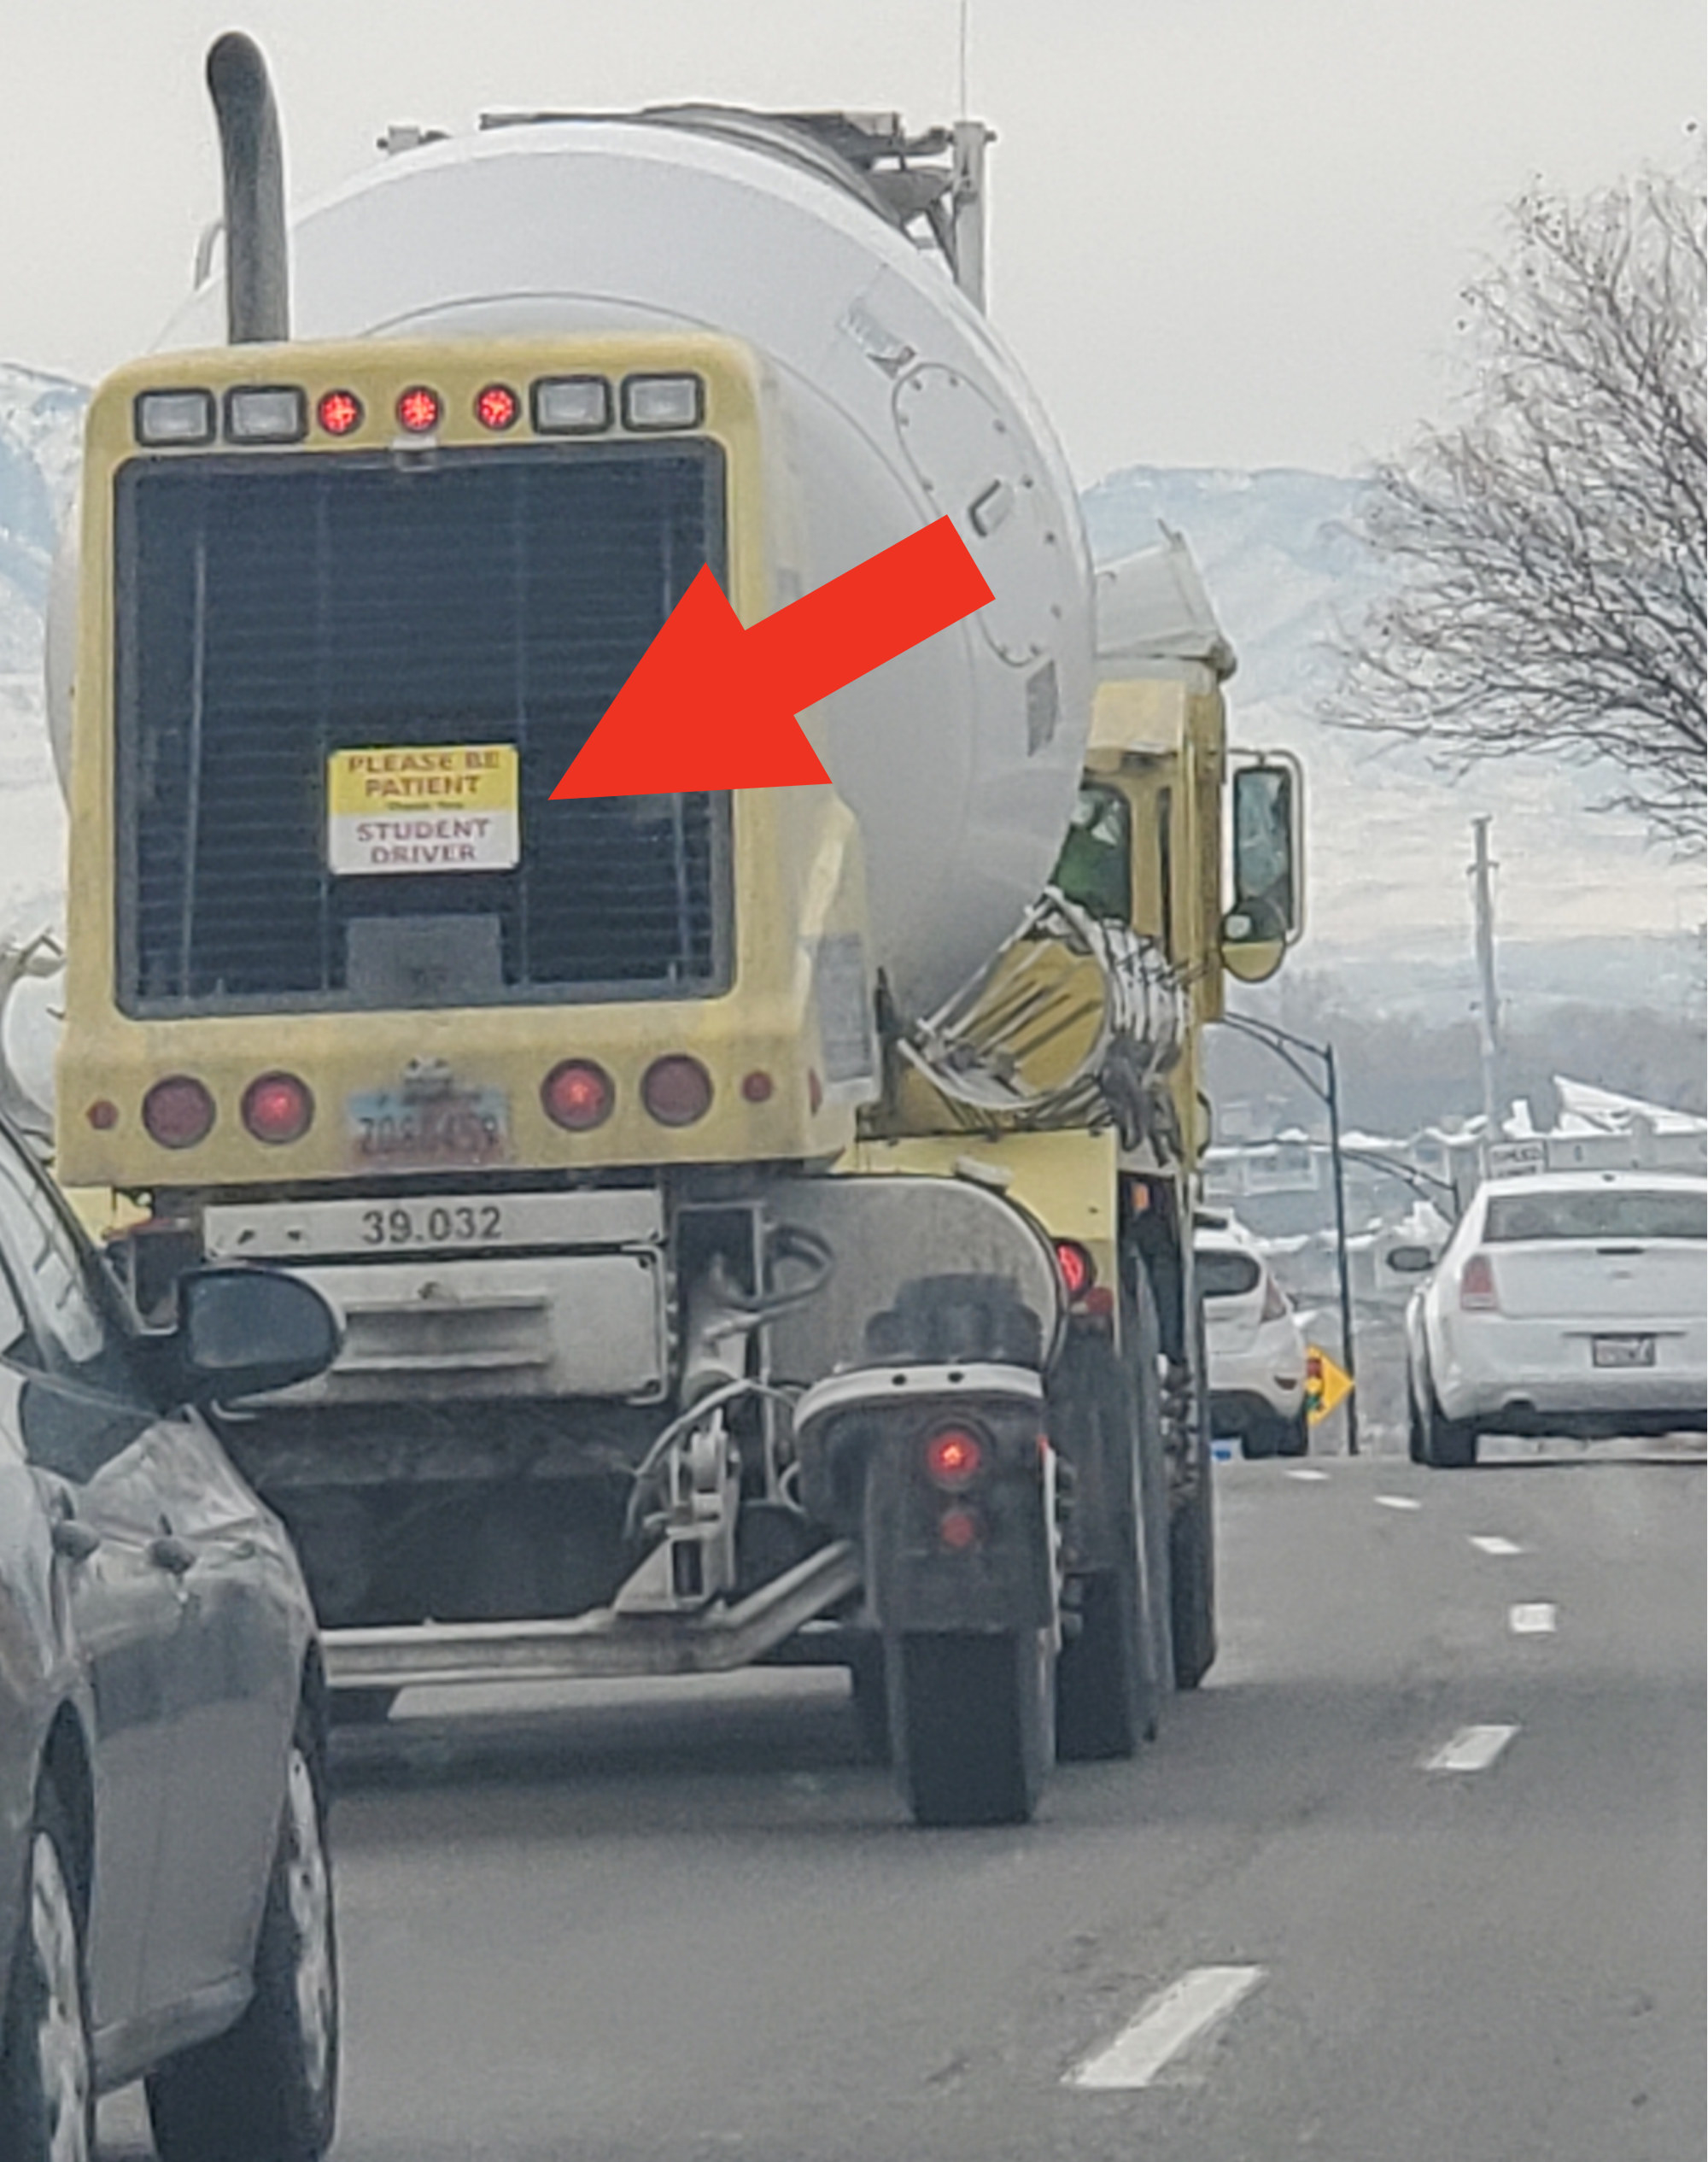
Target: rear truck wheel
[
  {"x": 46, "y": 2065},
  {"x": 1191, "y": 1527},
  {"x": 973, "y": 1721},
  {"x": 267, "y": 2090},
  {"x": 1106, "y": 1680}
]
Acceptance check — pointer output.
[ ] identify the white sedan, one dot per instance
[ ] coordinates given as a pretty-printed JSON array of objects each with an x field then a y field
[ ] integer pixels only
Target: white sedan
[
  {"x": 1256, "y": 1349},
  {"x": 1564, "y": 1303}
]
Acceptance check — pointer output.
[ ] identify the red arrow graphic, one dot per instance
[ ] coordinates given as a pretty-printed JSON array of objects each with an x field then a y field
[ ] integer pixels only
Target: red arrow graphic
[{"x": 711, "y": 705}]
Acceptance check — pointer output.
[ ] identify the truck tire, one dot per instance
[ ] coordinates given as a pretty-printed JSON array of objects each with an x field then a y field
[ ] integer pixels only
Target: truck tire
[
  {"x": 973, "y": 1717},
  {"x": 1261, "y": 1438},
  {"x": 1294, "y": 1435},
  {"x": 266, "y": 2089},
  {"x": 1191, "y": 1536},
  {"x": 47, "y": 2063},
  {"x": 1107, "y": 1681}
]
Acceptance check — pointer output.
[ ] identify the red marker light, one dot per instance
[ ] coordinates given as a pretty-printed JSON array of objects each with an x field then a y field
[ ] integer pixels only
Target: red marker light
[
  {"x": 757, "y": 1087},
  {"x": 339, "y": 413},
  {"x": 1079, "y": 1271},
  {"x": 953, "y": 1458},
  {"x": 177, "y": 1113},
  {"x": 419, "y": 411},
  {"x": 103, "y": 1115},
  {"x": 577, "y": 1095},
  {"x": 498, "y": 408},
  {"x": 676, "y": 1091},
  {"x": 277, "y": 1108}
]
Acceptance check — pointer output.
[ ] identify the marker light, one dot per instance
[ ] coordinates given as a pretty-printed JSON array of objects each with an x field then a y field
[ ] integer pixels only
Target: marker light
[
  {"x": 676, "y": 1091},
  {"x": 177, "y": 1113},
  {"x": 103, "y": 1115},
  {"x": 273, "y": 416},
  {"x": 174, "y": 417},
  {"x": 571, "y": 405},
  {"x": 419, "y": 410},
  {"x": 277, "y": 1108},
  {"x": 757, "y": 1087},
  {"x": 498, "y": 408},
  {"x": 1476, "y": 1292},
  {"x": 953, "y": 1459},
  {"x": 651, "y": 401},
  {"x": 1079, "y": 1271},
  {"x": 579, "y": 1095},
  {"x": 339, "y": 413}
]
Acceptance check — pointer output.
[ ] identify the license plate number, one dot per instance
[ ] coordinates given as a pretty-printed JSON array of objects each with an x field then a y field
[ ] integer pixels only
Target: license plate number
[
  {"x": 405, "y": 1133},
  {"x": 1622, "y": 1350}
]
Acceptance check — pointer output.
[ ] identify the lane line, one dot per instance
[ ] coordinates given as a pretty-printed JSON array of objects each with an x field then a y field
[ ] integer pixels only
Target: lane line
[
  {"x": 1307, "y": 1471},
  {"x": 1534, "y": 1618},
  {"x": 1397, "y": 1501},
  {"x": 1473, "y": 1749},
  {"x": 1164, "y": 2025},
  {"x": 1492, "y": 1543}
]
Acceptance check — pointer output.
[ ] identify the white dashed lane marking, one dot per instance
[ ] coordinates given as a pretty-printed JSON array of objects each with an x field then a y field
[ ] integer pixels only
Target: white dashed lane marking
[
  {"x": 1534, "y": 1618},
  {"x": 1168, "y": 2023},
  {"x": 1307, "y": 1471},
  {"x": 1397, "y": 1501},
  {"x": 1473, "y": 1749},
  {"x": 1492, "y": 1543}
]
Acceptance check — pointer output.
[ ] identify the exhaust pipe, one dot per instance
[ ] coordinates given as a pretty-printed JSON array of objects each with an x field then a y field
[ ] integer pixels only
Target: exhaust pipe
[{"x": 257, "y": 263}]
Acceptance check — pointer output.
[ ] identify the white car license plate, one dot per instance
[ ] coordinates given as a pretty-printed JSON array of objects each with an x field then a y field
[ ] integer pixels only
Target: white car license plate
[
  {"x": 1622, "y": 1351},
  {"x": 389, "y": 1130}
]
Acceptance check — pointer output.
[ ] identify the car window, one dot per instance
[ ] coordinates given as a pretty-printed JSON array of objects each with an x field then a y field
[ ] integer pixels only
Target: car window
[
  {"x": 70, "y": 1334},
  {"x": 14, "y": 1332},
  {"x": 1222, "y": 1274},
  {"x": 1597, "y": 1212}
]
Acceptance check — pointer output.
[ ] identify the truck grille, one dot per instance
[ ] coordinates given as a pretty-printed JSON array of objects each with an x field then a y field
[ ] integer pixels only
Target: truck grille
[{"x": 272, "y": 611}]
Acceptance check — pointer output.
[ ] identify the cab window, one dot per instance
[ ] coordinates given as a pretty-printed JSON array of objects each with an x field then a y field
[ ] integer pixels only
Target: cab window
[{"x": 1095, "y": 871}]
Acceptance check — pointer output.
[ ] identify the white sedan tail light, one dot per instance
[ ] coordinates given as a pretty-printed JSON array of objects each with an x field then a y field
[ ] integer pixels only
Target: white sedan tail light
[{"x": 1476, "y": 1292}]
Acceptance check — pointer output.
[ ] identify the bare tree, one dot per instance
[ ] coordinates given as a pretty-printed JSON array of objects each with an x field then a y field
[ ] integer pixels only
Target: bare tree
[{"x": 1551, "y": 546}]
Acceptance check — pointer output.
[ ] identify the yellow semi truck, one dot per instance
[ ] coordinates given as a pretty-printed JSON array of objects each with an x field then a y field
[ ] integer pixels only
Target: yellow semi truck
[{"x": 760, "y": 1221}]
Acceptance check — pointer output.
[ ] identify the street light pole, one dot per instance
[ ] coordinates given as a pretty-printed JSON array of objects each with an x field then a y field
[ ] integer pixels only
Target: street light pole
[{"x": 1282, "y": 1043}]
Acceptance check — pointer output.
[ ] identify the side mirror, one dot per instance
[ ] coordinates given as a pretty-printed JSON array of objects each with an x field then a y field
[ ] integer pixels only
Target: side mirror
[
  {"x": 242, "y": 1331},
  {"x": 1266, "y": 915},
  {"x": 1410, "y": 1261}
]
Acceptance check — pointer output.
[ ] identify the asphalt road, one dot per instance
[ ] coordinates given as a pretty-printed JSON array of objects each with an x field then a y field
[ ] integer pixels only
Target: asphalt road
[{"x": 683, "y": 1924}]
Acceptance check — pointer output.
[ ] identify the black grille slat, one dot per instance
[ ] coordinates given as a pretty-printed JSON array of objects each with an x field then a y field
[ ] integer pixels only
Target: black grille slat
[{"x": 327, "y": 603}]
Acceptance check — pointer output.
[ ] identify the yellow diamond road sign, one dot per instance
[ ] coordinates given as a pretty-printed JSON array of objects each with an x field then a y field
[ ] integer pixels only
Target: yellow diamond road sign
[{"x": 1326, "y": 1385}]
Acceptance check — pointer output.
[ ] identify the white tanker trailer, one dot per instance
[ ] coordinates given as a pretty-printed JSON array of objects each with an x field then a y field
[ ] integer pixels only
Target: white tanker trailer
[{"x": 760, "y": 1222}]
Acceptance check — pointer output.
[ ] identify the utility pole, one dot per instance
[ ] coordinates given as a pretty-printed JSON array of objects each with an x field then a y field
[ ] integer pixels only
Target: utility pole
[{"x": 1488, "y": 1031}]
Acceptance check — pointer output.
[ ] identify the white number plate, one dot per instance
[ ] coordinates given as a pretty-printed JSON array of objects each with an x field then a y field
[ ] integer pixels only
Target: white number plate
[
  {"x": 1622, "y": 1351},
  {"x": 440, "y": 1222}
]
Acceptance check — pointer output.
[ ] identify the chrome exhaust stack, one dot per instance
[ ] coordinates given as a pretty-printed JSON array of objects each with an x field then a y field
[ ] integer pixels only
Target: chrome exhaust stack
[{"x": 257, "y": 260}]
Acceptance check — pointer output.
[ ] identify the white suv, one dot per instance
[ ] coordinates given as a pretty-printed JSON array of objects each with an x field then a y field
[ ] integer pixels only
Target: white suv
[{"x": 1256, "y": 1348}]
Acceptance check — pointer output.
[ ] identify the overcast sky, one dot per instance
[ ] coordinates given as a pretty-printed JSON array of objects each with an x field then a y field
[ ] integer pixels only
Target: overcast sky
[{"x": 1224, "y": 232}]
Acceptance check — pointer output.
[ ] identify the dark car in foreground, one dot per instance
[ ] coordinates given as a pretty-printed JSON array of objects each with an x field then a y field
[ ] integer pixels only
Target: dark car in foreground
[{"x": 165, "y": 1906}]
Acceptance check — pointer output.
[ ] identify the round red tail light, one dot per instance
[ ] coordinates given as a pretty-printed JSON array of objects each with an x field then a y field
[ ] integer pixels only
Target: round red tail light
[
  {"x": 1078, "y": 1271},
  {"x": 177, "y": 1113},
  {"x": 419, "y": 410},
  {"x": 498, "y": 408},
  {"x": 277, "y": 1108},
  {"x": 960, "y": 1529},
  {"x": 339, "y": 413},
  {"x": 676, "y": 1091},
  {"x": 953, "y": 1458},
  {"x": 579, "y": 1095}
]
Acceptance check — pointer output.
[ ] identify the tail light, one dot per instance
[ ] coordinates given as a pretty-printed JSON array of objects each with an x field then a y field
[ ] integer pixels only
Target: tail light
[
  {"x": 961, "y": 1529},
  {"x": 339, "y": 413},
  {"x": 1274, "y": 1300},
  {"x": 953, "y": 1459},
  {"x": 1078, "y": 1270},
  {"x": 676, "y": 1091},
  {"x": 177, "y": 1113},
  {"x": 277, "y": 1108},
  {"x": 419, "y": 410},
  {"x": 498, "y": 408},
  {"x": 1476, "y": 1292},
  {"x": 579, "y": 1095}
]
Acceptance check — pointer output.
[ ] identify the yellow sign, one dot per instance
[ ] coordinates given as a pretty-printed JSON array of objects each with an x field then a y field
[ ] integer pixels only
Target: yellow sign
[
  {"x": 1326, "y": 1385},
  {"x": 434, "y": 807}
]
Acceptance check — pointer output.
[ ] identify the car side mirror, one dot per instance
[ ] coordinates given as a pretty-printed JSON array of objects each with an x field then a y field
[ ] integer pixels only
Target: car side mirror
[
  {"x": 1410, "y": 1261},
  {"x": 243, "y": 1331}
]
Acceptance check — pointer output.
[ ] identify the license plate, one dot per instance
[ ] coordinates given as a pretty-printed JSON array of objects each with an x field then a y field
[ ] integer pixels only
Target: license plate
[
  {"x": 1622, "y": 1351},
  {"x": 391, "y": 1131}
]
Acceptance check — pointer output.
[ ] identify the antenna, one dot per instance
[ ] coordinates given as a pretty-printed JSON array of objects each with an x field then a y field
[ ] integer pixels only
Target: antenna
[{"x": 966, "y": 15}]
